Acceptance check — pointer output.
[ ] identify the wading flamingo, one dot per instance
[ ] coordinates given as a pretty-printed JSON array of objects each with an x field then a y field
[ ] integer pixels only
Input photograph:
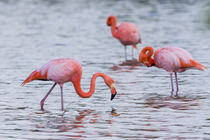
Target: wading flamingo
[
  {"x": 67, "y": 70},
  {"x": 170, "y": 59},
  {"x": 127, "y": 33}
]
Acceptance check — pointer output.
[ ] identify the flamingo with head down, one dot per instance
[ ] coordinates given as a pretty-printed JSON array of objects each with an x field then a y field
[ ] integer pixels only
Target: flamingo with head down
[
  {"x": 127, "y": 33},
  {"x": 67, "y": 70},
  {"x": 170, "y": 59}
]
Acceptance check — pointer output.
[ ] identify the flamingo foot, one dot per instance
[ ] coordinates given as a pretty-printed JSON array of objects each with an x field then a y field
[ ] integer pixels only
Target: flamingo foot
[
  {"x": 177, "y": 95},
  {"x": 172, "y": 91},
  {"x": 42, "y": 105}
]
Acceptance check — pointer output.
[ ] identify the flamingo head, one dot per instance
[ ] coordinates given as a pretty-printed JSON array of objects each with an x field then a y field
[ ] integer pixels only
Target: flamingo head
[
  {"x": 145, "y": 56},
  {"x": 110, "y": 20},
  {"x": 110, "y": 83}
]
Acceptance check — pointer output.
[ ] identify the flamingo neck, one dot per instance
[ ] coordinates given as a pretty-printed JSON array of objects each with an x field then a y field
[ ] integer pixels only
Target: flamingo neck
[
  {"x": 113, "y": 21},
  {"x": 80, "y": 92},
  {"x": 149, "y": 51}
]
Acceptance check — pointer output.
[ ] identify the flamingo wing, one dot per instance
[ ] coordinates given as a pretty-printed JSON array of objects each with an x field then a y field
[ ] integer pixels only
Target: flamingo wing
[
  {"x": 58, "y": 70},
  {"x": 175, "y": 60},
  {"x": 128, "y": 33}
]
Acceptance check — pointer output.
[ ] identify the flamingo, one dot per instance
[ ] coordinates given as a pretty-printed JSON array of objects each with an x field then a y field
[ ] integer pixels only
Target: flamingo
[
  {"x": 67, "y": 70},
  {"x": 170, "y": 59},
  {"x": 127, "y": 33}
]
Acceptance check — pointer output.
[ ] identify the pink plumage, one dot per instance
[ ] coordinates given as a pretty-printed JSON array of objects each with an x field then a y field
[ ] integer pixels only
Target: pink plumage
[
  {"x": 171, "y": 59},
  {"x": 127, "y": 33},
  {"x": 61, "y": 70},
  {"x": 67, "y": 70}
]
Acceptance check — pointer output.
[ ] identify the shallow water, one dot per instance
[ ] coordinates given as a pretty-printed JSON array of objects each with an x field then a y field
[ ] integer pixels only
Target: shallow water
[{"x": 34, "y": 32}]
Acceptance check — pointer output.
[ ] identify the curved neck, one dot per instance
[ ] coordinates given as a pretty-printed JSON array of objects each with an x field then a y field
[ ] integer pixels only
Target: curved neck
[
  {"x": 148, "y": 51},
  {"x": 112, "y": 21},
  {"x": 77, "y": 85}
]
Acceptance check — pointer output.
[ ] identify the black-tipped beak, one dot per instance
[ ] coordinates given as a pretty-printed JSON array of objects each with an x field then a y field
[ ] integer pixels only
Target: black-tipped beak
[{"x": 113, "y": 95}]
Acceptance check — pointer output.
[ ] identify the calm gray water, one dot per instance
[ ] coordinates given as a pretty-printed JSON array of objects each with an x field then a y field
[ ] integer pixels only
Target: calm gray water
[{"x": 33, "y": 32}]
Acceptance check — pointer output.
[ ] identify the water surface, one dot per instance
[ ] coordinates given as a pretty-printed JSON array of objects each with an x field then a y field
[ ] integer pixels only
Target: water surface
[{"x": 34, "y": 32}]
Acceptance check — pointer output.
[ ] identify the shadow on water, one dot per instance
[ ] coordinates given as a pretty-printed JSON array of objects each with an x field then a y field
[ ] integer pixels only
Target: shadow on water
[
  {"x": 133, "y": 62},
  {"x": 177, "y": 103},
  {"x": 126, "y": 66}
]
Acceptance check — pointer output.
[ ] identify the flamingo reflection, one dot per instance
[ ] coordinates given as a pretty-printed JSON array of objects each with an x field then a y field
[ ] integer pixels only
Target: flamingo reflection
[{"x": 76, "y": 127}]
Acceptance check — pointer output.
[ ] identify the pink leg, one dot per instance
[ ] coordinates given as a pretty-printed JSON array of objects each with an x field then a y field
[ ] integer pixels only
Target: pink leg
[
  {"x": 172, "y": 87},
  {"x": 177, "y": 88},
  {"x": 45, "y": 97},
  {"x": 61, "y": 86}
]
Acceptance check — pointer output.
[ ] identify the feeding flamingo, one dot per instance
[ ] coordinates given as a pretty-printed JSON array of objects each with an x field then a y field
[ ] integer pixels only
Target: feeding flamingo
[
  {"x": 170, "y": 59},
  {"x": 67, "y": 70},
  {"x": 127, "y": 33}
]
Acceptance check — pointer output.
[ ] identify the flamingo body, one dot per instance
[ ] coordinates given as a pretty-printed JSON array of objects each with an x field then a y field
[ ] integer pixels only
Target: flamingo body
[
  {"x": 67, "y": 70},
  {"x": 173, "y": 59},
  {"x": 170, "y": 59},
  {"x": 61, "y": 70},
  {"x": 127, "y": 33}
]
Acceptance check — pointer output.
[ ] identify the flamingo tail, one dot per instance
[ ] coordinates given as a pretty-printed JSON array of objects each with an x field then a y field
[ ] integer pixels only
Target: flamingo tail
[
  {"x": 35, "y": 75},
  {"x": 134, "y": 46},
  {"x": 197, "y": 65}
]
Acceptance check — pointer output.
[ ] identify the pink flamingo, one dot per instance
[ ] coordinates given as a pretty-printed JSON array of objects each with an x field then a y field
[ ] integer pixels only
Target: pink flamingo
[
  {"x": 127, "y": 33},
  {"x": 67, "y": 70},
  {"x": 171, "y": 59}
]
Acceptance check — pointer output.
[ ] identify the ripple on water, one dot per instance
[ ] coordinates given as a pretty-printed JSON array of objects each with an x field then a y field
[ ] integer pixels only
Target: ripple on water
[{"x": 39, "y": 31}]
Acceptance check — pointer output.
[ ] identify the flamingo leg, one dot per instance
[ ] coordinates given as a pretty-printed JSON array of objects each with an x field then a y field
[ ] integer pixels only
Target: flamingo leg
[
  {"x": 125, "y": 54},
  {"x": 172, "y": 86},
  {"x": 132, "y": 53},
  {"x": 177, "y": 88},
  {"x": 45, "y": 97},
  {"x": 61, "y": 86}
]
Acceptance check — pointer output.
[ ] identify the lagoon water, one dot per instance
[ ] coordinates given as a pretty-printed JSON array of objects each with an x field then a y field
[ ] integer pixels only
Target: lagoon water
[{"x": 33, "y": 32}]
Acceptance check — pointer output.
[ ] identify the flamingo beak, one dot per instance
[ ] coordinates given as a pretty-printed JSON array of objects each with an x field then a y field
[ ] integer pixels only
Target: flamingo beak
[
  {"x": 113, "y": 91},
  {"x": 113, "y": 95}
]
